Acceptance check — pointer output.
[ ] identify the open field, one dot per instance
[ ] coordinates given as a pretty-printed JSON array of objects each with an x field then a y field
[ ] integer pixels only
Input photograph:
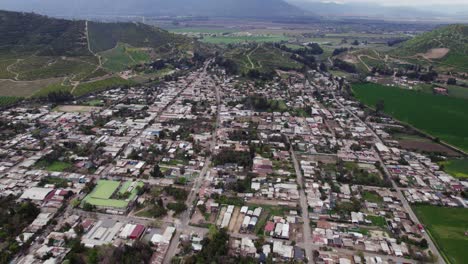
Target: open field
[
  {"x": 24, "y": 88},
  {"x": 59, "y": 166},
  {"x": 104, "y": 189},
  {"x": 456, "y": 167},
  {"x": 442, "y": 117},
  {"x": 76, "y": 108},
  {"x": 241, "y": 39},
  {"x": 447, "y": 226},
  {"x": 427, "y": 145}
]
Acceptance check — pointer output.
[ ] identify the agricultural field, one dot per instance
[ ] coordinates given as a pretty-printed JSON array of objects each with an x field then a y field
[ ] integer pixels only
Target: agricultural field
[
  {"x": 202, "y": 30},
  {"x": 442, "y": 117},
  {"x": 242, "y": 39},
  {"x": 456, "y": 167},
  {"x": 447, "y": 226},
  {"x": 54, "y": 88},
  {"x": 453, "y": 90},
  {"x": 8, "y": 100},
  {"x": 261, "y": 58},
  {"x": 122, "y": 56},
  {"x": 97, "y": 86}
]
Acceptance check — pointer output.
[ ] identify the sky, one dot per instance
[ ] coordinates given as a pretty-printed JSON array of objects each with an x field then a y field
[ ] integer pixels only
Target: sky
[{"x": 400, "y": 2}]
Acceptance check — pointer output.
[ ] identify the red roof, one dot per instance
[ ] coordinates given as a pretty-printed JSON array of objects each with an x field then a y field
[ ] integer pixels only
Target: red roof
[
  {"x": 270, "y": 226},
  {"x": 137, "y": 232}
]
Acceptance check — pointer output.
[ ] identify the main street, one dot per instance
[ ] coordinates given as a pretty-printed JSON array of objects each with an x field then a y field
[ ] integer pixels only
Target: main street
[{"x": 182, "y": 224}]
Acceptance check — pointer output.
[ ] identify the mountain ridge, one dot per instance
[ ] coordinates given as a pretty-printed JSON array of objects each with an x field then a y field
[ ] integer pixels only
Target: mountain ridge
[{"x": 212, "y": 8}]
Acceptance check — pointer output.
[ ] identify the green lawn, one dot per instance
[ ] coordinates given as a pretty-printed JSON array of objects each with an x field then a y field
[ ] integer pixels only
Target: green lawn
[
  {"x": 59, "y": 166},
  {"x": 104, "y": 190},
  {"x": 447, "y": 226},
  {"x": 442, "y": 117},
  {"x": 372, "y": 197},
  {"x": 377, "y": 221},
  {"x": 457, "y": 167}
]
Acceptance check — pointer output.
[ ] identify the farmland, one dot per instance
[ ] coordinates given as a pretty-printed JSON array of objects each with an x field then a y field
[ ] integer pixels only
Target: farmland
[
  {"x": 242, "y": 39},
  {"x": 447, "y": 226},
  {"x": 443, "y": 117},
  {"x": 8, "y": 100},
  {"x": 91, "y": 87},
  {"x": 262, "y": 57},
  {"x": 123, "y": 56},
  {"x": 456, "y": 167}
]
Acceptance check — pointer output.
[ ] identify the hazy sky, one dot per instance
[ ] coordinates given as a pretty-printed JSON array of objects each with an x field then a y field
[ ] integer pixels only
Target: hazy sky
[{"x": 400, "y": 2}]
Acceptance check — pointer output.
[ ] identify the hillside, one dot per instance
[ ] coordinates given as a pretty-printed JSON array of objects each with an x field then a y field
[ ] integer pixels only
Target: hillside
[
  {"x": 211, "y": 8},
  {"x": 25, "y": 33},
  {"x": 38, "y": 51},
  {"x": 447, "y": 46}
]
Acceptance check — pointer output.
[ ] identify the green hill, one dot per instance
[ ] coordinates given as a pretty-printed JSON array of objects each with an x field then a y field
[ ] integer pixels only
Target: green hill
[
  {"x": 38, "y": 51},
  {"x": 453, "y": 38}
]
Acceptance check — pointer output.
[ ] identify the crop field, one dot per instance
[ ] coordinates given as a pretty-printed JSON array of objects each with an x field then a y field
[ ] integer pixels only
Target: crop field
[
  {"x": 97, "y": 86},
  {"x": 122, "y": 56},
  {"x": 447, "y": 226},
  {"x": 242, "y": 39},
  {"x": 456, "y": 167},
  {"x": 442, "y": 117},
  {"x": 56, "y": 87},
  {"x": 263, "y": 59},
  {"x": 202, "y": 30},
  {"x": 8, "y": 100}
]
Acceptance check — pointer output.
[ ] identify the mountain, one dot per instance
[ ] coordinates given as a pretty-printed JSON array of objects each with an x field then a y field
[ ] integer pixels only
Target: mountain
[
  {"x": 446, "y": 45},
  {"x": 370, "y": 10},
  {"x": 210, "y": 8},
  {"x": 37, "y": 51}
]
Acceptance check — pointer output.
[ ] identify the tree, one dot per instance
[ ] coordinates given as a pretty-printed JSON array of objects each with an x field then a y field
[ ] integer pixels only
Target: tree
[
  {"x": 88, "y": 207},
  {"x": 380, "y": 106},
  {"x": 156, "y": 172},
  {"x": 452, "y": 81}
]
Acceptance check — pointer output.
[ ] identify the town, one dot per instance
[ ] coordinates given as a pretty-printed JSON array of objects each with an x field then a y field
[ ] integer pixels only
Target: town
[{"x": 291, "y": 170}]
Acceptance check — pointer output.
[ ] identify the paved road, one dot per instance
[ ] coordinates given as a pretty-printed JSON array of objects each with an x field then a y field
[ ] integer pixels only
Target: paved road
[
  {"x": 408, "y": 209},
  {"x": 182, "y": 225},
  {"x": 307, "y": 232}
]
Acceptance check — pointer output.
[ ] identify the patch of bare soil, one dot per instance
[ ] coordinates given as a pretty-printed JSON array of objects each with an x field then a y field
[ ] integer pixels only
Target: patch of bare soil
[{"x": 436, "y": 53}]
